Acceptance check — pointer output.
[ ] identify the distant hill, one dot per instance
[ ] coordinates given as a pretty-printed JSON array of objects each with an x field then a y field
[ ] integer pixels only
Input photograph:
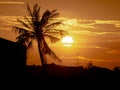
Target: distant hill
[
  {"x": 74, "y": 77},
  {"x": 76, "y": 73}
]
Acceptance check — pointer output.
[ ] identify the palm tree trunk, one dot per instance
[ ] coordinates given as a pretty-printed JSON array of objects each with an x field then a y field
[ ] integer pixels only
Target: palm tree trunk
[{"x": 42, "y": 59}]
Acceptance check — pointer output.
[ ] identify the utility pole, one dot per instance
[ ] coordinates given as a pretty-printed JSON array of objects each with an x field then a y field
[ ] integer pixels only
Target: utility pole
[{"x": 77, "y": 59}]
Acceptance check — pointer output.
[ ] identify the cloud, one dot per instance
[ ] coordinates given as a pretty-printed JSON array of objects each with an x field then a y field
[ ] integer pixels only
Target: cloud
[
  {"x": 90, "y": 47},
  {"x": 109, "y": 22},
  {"x": 11, "y": 2},
  {"x": 91, "y": 59},
  {"x": 113, "y": 52},
  {"x": 93, "y": 29},
  {"x": 99, "y": 25},
  {"x": 83, "y": 59},
  {"x": 8, "y": 22}
]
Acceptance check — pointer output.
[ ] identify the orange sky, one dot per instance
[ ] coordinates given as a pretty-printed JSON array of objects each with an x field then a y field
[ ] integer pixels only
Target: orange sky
[{"x": 94, "y": 25}]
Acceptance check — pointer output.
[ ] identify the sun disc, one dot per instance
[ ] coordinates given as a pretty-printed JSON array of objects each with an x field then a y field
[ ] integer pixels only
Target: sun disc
[{"x": 67, "y": 40}]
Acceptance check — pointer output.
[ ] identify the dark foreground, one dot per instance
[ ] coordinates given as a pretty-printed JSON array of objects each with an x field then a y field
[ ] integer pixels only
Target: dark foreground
[
  {"x": 15, "y": 74},
  {"x": 65, "y": 77}
]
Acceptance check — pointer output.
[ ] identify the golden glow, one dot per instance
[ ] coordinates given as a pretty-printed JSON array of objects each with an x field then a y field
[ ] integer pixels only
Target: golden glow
[{"x": 67, "y": 40}]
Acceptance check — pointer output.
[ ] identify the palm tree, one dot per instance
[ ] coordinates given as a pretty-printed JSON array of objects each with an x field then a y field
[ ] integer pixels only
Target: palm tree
[{"x": 39, "y": 27}]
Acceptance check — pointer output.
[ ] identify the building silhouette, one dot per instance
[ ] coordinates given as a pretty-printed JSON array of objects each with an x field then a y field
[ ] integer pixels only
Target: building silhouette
[{"x": 12, "y": 58}]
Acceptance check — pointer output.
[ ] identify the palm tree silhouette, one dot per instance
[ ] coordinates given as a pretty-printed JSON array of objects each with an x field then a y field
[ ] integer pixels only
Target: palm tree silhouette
[{"x": 38, "y": 27}]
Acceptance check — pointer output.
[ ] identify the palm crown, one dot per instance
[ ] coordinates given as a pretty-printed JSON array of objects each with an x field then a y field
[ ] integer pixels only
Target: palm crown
[{"x": 38, "y": 27}]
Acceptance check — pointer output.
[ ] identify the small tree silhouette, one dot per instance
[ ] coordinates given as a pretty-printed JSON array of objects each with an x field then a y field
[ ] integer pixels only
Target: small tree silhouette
[
  {"x": 89, "y": 65},
  {"x": 37, "y": 27}
]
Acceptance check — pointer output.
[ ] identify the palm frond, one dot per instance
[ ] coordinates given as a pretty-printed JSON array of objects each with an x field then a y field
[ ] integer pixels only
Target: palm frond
[
  {"x": 32, "y": 13},
  {"x": 54, "y": 14},
  {"x": 23, "y": 36},
  {"x": 30, "y": 44},
  {"x": 54, "y": 11},
  {"x": 52, "y": 25},
  {"x": 29, "y": 21},
  {"x": 35, "y": 7},
  {"x": 21, "y": 40},
  {"x": 53, "y": 39},
  {"x": 51, "y": 32},
  {"x": 46, "y": 14},
  {"x": 63, "y": 33},
  {"x": 23, "y": 23},
  {"x": 29, "y": 10},
  {"x": 25, "y": 39},
  {"x": 20, "y": 30},
  {"x": 45, "y": 18},
  {"x": 27, "y": 34},
  {"x": 35, "y": 13},
  {"x": 48, "y": 51},
  {"x": 57, "y": 32}
]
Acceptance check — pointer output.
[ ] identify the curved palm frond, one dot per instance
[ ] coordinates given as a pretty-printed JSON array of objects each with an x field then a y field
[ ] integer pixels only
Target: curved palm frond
[
  {"x": 52, "y": 25},
  {"x": 29, "y": 21},
  {"x": 30, "y": 44},
  {"x": 20, "y": 30},
  {"x": 29, "y": 10},
  {"x": 54, "y": 14},
  {"x": 26, "y": 39},
  {"x": 56, "y": 32},
  {"x": 48, "y": 51},
  {"x": 36, "y": 10},
  {"x": 23, "y": 39},
  {"x": 63, "y": 33},
  {"x": 34, "y": 13},
  {"x": 24, "y": 24},
  {"x": 53, "y": 39},
  {"x": 45, "y": 18},
  {"x": 49, "y": 16}
]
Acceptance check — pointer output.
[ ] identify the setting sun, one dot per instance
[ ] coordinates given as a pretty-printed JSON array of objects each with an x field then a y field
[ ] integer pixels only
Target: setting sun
[{"x": 67, "y": 40}]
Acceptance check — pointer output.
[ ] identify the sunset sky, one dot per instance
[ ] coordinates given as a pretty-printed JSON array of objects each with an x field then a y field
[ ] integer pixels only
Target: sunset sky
[{"x": 93, "y": 24}]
